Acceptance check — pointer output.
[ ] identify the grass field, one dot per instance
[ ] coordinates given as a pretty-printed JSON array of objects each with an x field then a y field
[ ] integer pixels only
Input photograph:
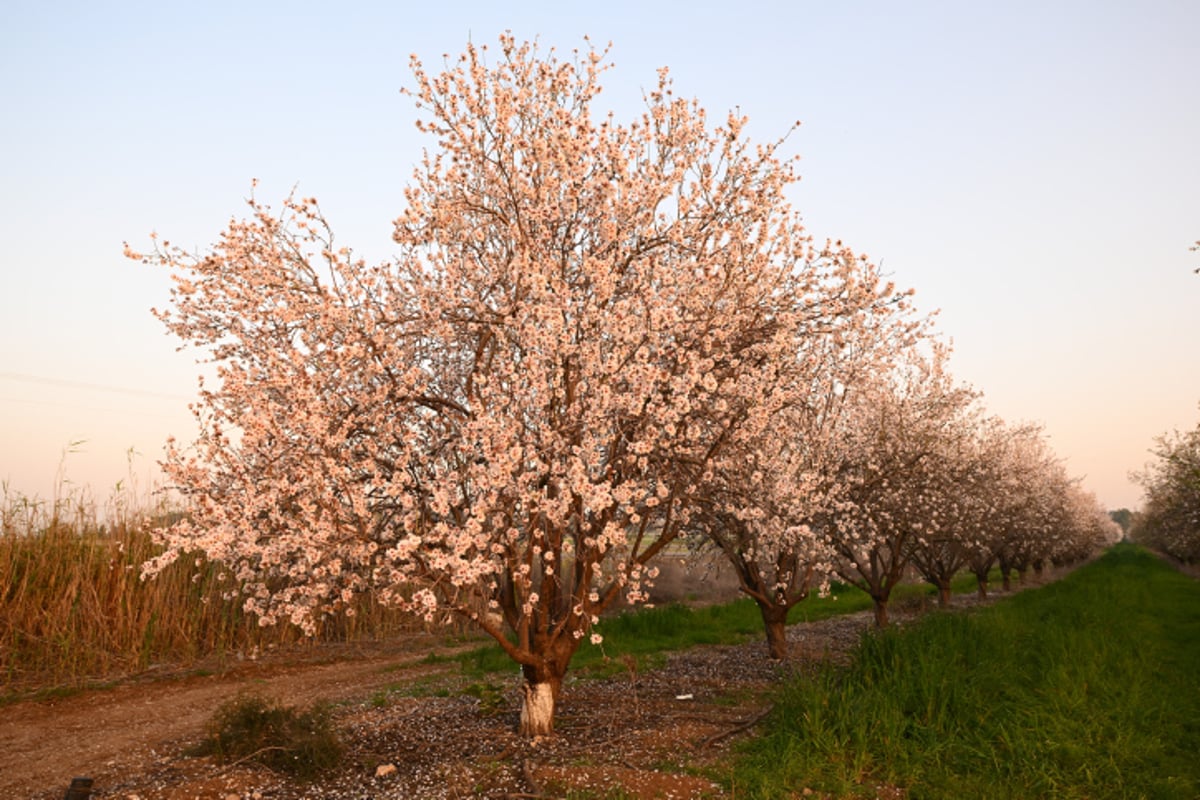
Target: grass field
[{"x": 1085, "y": 688}]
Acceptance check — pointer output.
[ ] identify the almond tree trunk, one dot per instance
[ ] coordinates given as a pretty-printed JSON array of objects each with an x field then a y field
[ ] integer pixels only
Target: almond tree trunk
[
  {"x": 943, "y": 595},
  {"x": 881, "y": 612},
  {"x": 538, "y": 701},
  {"x": 543, "y": 683},
  {"x": 774, "y": 618}
]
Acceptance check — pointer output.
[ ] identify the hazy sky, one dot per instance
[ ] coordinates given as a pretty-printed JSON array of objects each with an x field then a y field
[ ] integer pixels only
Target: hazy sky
[{"x": 1030, "y": 168}]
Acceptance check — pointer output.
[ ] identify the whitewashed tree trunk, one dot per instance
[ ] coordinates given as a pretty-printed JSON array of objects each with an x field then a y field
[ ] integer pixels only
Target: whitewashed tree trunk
[{"x": 537, "y": 709}]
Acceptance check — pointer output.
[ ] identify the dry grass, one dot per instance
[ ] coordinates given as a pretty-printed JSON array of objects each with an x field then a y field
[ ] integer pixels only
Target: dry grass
[{"x": 74, "y": 609}]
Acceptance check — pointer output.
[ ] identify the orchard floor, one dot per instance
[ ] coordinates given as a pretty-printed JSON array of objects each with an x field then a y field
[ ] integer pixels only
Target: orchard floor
[{"x": 655, "y": 734}]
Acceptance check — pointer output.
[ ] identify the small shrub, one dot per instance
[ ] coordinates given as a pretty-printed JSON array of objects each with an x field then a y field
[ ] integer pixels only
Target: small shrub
[{"x": 252, "y": 728}]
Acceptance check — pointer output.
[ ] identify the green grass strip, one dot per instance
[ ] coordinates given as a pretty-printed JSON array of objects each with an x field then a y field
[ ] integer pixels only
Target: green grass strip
[
  {"x": 648, "y": 634},
  {"x": 1085, "y": 688},
  {"x": 644, "y": 635}
]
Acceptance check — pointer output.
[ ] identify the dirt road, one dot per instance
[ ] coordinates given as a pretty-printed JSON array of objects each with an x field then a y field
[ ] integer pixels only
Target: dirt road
[{"x": 111, "y": 733}]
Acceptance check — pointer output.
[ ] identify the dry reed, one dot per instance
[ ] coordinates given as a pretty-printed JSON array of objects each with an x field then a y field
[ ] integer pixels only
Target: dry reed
[{"x": 74, "y": 609}]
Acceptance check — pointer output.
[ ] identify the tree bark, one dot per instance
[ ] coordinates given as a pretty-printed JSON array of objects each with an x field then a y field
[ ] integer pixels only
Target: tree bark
[
  {"x": 538, "y": 701},
  {"x": 983, "y": 586},
  {"x": 881, "y": 612},
  {"x": 543, "y": 683},
  {"x": 1007, "y": 576},
  {"x": 774, "y": 618},
  {"x": 944, "y": 596}
]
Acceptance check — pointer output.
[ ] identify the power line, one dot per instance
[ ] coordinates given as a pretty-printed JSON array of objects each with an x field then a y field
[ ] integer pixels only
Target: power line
[{"x": 22, "y": 377}]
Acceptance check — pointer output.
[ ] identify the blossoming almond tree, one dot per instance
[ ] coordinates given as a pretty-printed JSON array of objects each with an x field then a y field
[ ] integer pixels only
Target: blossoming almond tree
[
  {"x": 1031, "y": 510},
  {"x": 763, "y": 500},
  {"x": 511, "y": 419},
  {"x": 1087, "y": 529},
  {"x": 956, "y": 478},
  {"x": 1170, "y": 520},
  {"x": 886, "y": 492},
  {"x": 999, "y": 447}
]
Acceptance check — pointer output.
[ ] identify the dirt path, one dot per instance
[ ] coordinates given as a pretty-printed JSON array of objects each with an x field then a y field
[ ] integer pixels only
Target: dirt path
[{"x": 111, "y": 733}]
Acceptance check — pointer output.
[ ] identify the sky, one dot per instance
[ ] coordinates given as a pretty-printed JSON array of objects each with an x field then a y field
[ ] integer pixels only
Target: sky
[{"x": 1031, "y": 169}]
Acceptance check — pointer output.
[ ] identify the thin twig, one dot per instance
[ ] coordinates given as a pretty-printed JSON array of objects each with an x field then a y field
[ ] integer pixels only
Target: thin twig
[
  {"x": 527, "y": 773},
  {"x": 750, "y": 723},
  {"x": 244, "y": 759}
]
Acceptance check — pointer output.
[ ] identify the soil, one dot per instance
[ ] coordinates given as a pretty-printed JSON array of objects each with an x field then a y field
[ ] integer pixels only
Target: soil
[{"x": 411, "y": 729}]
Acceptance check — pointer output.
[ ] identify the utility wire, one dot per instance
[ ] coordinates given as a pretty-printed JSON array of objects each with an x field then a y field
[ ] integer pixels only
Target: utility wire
[{"x": 22, "y": 377}]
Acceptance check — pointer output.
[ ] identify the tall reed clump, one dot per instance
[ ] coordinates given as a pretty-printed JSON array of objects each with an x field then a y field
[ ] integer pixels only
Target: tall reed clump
[
  {"x": 74, "y": 608},
  {"x": 1084, "y": 688}
]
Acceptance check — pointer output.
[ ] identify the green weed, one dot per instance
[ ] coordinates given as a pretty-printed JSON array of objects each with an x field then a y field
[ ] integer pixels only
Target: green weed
[{"x": 491, "y": 697}]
